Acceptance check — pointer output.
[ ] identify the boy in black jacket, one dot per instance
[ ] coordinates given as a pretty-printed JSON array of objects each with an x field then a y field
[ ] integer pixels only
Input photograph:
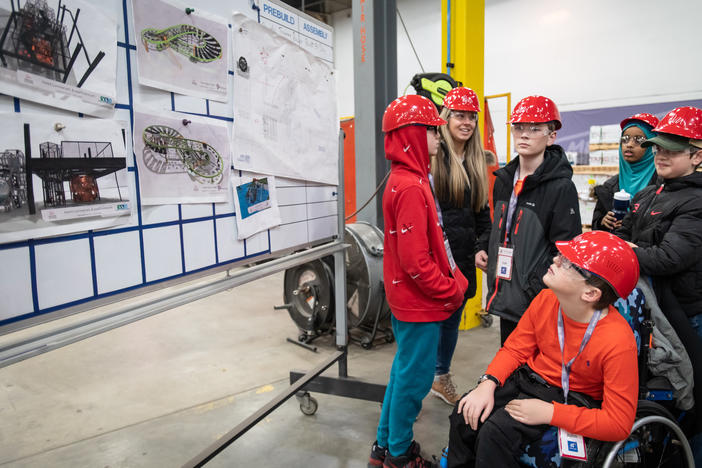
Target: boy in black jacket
[
  {"x": 665, "y": 229},
  {"x": 536, "y": 204}
]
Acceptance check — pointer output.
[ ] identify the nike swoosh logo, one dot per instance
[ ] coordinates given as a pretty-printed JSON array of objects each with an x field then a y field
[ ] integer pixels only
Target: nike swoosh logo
[
  {"x": 393, "y": 190},
  {"x": 403, "y": 230},
  {"x": 396, "y": 281},
  {"x": 415, "y": 276},
  {"x": 392, "y": 232},
  {"x": 405, "y": 149},
  {"x": 654, "y": 213}
]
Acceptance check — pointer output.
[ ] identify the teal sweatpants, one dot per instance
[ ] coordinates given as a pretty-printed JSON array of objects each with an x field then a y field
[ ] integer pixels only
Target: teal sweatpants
[{"x": 411, "y": 377}]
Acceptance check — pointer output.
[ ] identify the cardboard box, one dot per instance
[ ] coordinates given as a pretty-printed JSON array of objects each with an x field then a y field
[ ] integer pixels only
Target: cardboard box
[
  {"x": 595, "y": 134},
  {"x": 611, "y": 134}
]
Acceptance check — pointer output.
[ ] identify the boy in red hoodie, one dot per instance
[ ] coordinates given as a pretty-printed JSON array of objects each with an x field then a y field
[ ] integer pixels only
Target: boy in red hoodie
[{"x": 422, "y": 284}]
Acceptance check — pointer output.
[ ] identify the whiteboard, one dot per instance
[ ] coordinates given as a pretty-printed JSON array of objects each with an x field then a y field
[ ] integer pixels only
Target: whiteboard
[{"x": 42, "y": 278}]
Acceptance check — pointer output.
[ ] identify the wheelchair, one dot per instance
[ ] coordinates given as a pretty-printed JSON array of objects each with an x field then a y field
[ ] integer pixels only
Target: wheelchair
[{"x": 656, "y": 438}]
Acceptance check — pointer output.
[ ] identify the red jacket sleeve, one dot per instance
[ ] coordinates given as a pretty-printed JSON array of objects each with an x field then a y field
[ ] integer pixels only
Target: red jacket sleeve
[{"x": 413, "y": 247}]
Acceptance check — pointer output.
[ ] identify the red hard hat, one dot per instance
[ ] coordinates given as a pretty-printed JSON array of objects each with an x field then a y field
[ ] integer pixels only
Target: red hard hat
[
  {"x": 649, "y": 119},
  {"x": 408, "y": 110},
  {"x": 606, "y": 256},
  {"x": 462, "y": 99},
  {"x": 682, "y": 121},
  {"x": 536, "y": 109}
]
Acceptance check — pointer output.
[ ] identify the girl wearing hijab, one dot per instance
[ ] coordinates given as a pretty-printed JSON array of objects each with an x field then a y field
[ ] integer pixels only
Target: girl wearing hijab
[
  {"x": 636, "y": 169},
  {"x": 459, "y": 173}
]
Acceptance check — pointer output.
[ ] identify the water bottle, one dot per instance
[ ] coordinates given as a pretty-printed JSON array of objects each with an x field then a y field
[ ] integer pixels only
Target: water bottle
[
  {"x": 443, "y": 463},
  {"x": 620, "y": 205}
]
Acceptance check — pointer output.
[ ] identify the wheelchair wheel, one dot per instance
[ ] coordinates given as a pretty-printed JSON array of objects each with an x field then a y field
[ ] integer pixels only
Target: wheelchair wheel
[{"x": 655, "y": 441}]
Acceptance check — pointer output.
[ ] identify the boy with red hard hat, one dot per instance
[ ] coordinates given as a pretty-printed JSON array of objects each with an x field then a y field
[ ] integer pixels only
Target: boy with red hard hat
[
  {"x": 535, "y": 205},
  {"x": 422, "y": 284},
  {"x": 570, "y": 340},
  {"x": 665, "y": 228}
]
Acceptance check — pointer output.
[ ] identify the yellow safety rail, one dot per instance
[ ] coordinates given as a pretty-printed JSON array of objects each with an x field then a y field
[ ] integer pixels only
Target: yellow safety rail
[{"x": 509, "y": 116}]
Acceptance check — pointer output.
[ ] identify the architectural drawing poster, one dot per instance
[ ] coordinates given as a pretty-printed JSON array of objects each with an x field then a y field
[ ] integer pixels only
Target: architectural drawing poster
[
  {"x": 60, "y": 175},
  {"x": 181, "y": 158},
  {"x": 180, "y": 52},
  {"x": 59, "y": 53},
  {"x": 285, "y": 117},
  {"x": 256, "y": 204}
]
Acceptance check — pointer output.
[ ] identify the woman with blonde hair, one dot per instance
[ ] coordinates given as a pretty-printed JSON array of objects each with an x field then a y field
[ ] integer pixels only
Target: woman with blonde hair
[{"x": 459, "y": 179}]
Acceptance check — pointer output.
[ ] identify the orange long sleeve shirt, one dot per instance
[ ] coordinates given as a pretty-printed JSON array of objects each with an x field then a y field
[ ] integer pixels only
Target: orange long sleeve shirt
[{"x": 606, "y": 370}]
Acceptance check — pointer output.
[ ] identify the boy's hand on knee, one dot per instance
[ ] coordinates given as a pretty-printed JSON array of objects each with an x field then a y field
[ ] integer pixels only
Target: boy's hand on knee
[
  {"x": 478, "y": 404},
  {"x": 530, "y": 411}
]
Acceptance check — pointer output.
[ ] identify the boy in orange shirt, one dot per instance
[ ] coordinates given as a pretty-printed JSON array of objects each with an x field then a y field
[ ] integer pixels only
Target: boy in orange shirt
[{"x": 570, "y": 339}]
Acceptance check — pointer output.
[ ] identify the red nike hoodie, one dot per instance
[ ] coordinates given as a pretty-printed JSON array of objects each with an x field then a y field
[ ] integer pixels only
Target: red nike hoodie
[{"x": 419, "y": 284}]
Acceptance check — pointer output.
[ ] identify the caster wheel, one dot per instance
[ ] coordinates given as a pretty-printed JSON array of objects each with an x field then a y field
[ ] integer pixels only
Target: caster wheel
[
  {"x": 366, "y": 343},
  {"x": 486, "y": 320},
  {"x": 302, "y": 338},
  {"x": 308, "y": 405},
  {"x": 389, "y": 338}
]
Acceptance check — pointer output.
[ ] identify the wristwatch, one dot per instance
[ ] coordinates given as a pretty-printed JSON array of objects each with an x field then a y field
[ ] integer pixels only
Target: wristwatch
[{"x": 485, "y": 377}]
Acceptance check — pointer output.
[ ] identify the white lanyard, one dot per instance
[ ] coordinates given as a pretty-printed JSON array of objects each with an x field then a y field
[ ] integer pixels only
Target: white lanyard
[
  {"x": 565, "y": 368},
  {"x": 449, "y": 254}
]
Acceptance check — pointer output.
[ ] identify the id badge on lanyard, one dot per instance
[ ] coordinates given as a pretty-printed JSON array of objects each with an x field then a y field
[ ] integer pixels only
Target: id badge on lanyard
[
  {"x": 505, "y": 253},
  {"x": 504, "y": 263},
  {"x": 572, "y": 445}
]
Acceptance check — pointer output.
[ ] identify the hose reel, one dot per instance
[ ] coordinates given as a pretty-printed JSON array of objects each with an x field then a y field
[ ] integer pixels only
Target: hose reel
[{"x": 308, "y": 290}]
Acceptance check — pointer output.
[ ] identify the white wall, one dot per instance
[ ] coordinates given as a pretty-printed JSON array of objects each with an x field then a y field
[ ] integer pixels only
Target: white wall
[
  {"x": 423, "y": 21},
  {"x": 583, "y": 54}
]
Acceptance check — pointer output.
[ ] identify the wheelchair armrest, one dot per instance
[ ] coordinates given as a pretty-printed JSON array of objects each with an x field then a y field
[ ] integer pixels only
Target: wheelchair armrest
[{"x": 658, "y": 383}]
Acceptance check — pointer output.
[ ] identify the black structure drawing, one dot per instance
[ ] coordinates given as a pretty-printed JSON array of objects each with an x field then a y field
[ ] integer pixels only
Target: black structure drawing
[
  {"x": 80, "y": 163},
  {"x": 35, "y": 40},
  {"x": 13, "y": 180}
]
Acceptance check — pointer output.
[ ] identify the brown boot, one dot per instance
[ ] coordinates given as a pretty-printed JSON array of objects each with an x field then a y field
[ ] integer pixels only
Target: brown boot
[{"x": 443, "y": 388}]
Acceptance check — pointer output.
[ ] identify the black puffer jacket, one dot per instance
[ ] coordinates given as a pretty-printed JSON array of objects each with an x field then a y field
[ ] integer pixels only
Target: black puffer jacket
[
  {"x": 665, "y": 223},
  {"x": 463, "y": 226},
  {"x": 547, "y": 210},
  {"x": 605, "y": 198}
]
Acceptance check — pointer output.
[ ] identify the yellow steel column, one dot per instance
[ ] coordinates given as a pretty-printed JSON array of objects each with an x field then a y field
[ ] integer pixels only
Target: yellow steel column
[{"x": 463, "y": 46}]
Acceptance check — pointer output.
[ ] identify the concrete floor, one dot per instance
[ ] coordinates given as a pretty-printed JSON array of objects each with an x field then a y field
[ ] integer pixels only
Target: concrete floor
[{"x": 156, "y": 392}]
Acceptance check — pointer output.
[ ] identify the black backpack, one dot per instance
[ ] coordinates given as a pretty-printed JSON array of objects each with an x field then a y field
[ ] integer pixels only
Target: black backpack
[{"x": 434, "y": 86}]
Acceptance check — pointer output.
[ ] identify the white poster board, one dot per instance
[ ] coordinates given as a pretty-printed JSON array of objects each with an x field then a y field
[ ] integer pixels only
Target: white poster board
[
  {"x": 181, "y": 158},
  {"x": 75, "y": 180},
  {"x": 59, "y": 53},
  {"x": 186, "y": 53},
  {"x": 285, "y": 118}
]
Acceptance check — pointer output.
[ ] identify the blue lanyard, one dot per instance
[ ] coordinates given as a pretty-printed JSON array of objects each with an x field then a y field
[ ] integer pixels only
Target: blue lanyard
[{"x": 565, "y": 368}]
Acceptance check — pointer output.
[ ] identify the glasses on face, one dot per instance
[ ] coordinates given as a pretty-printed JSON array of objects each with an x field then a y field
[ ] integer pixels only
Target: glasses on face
[
  {"x": 530, "y": 130},
  {"x": 638, "y": 139},
  {"x": 464, "y": 115},
  {"x": 659, "y": 151},
  {"x": 568, "y": 265},
  {"x": 433, "y": 128}
]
